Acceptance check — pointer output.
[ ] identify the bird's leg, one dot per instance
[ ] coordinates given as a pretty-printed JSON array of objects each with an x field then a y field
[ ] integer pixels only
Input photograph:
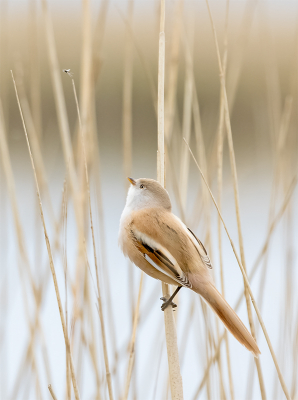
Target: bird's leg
[{"x": 169, "y": 302}]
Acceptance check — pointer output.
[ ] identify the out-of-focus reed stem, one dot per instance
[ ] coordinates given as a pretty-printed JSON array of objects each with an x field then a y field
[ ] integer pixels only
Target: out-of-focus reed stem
[
  {"x": 13, "y": 199},
  {"x": 247, "y": 283},
  {"x": 74, "y": 381},
  {"x": 62, "y": 115},
  {"x": 127, "y": 126},
  {"x": 35, "y": 68},
  {"x": 33, "y": 326},
  {"x": 98, "y": 39},
  {"x": 251, "y": 276},
  {"x": 170, "y": 328},
  {"x": 99, "y": 300},
  {"x": 279, "y": 172},
  {"x": 170, "y": 98},
  {"x": 35, "y": 143},
  {"x": 4, "y": 43},
  {"x": 236, "y": 196},
  {"x": 146, "y": 67},
  {"x": 219, "y": 183},
  {"x": 187, "y": 107},
  {"x": 160, "y": 99},
  {"x": 127, "y": 95},
  {"x": 86, "y": 81},
  {"x": 133, "y": 340},
  {"x": 64, "y": 207},
  {"x": 236, "y": 63}
]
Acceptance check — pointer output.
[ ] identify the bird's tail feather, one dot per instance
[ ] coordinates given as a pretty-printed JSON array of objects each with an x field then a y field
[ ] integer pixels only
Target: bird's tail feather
[{"x": 228, "y": 316}]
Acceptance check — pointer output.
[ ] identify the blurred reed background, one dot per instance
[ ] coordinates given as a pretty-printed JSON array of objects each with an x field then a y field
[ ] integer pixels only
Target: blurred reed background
[{"x": 112, "y": 49}]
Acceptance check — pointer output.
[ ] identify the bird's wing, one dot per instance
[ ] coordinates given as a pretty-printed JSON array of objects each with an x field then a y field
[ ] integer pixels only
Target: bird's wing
[
  {"x": 159, "y": 257},
  {"x": 200, "y": 249}
]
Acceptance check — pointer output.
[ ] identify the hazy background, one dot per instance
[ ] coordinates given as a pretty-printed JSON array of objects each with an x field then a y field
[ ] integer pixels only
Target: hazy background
[{"x": 262, "y": 71}]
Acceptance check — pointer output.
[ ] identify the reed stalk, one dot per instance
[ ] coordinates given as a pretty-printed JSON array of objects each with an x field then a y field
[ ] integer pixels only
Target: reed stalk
[
  {"x": 35, "y": 96},
  {"x": 133, "y": 340},
  {"x": 171, "y": 92},
  {"x": 279, "y": 144},
  {"x": 52, "y": 392},
  {"x": 187, "y": 115},
  {"x": 247, "y": 284},
  {"x": 170, "y": 328},
  {"x": 127, "y": 95},
  {"x": 219, "y": 184},
  {"x": 62, "y": 116},
  {"x": 251, "y": 276},
  {"x": 23, "y": 254},
  {"x": 99, "y": 299},
  {"x": 236, "y": 196},
  {"x": 127, "y": 127},
  {"x": 67, "y": 344},
  {"x": 65, "y": 268},
  {"x": 98, "y": 39}
]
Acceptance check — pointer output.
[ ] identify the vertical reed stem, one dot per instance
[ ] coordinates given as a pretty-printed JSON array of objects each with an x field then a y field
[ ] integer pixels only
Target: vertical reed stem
[
  {"x": 133, "y": 339},
  {"x": 170, "y": 328},
  {"x": 99, "y": 300},
  {"x": 246, "y": 282},
  {"x": 73, "y": 376},
  {"x": 236, "y": 196},
  {"x": 219, "y": 183}
]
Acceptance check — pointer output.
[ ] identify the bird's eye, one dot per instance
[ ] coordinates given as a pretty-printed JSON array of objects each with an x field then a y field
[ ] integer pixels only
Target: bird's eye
[{"x": 141, "y": 186}]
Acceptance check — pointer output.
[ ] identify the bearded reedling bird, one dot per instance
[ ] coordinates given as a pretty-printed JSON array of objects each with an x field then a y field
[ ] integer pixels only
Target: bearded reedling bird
[{"x": 161, "y": 245}]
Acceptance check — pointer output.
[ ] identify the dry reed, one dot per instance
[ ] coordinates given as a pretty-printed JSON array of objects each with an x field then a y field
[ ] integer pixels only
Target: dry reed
[
  {"x": 170, "y": 329},
  {"x": 83, "y": 129},
  {"x": 52, "y": 392},
  {"x": 67, "y": 344},
  {"x": 236, "y": 197},
  {"x": 247, "y": 283}
]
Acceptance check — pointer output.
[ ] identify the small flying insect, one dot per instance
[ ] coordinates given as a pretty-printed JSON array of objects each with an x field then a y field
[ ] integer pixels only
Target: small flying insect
[{"x": 68, "y": 72}]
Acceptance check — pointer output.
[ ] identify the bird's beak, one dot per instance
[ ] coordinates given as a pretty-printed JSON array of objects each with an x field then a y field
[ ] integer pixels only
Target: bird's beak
[{"x": 132, "y": 181}]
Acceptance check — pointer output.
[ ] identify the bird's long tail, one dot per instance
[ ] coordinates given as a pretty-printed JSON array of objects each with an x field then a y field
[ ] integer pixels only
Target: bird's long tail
[{"x": 228, "y": 316}]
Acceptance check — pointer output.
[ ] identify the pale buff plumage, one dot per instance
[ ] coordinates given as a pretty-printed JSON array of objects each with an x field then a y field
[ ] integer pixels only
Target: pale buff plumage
[{"x": 159, "y": 243}]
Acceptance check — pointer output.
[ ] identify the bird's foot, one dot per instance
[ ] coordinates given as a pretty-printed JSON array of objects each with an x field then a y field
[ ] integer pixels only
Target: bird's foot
[{"x": 167, "y": 303}]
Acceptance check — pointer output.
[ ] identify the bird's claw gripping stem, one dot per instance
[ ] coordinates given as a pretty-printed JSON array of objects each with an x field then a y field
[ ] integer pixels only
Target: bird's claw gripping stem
[{"x": 167, "y": 303}]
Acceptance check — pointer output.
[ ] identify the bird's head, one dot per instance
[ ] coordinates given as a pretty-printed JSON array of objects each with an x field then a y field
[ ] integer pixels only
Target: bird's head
[{"x": 147, "y": 193}]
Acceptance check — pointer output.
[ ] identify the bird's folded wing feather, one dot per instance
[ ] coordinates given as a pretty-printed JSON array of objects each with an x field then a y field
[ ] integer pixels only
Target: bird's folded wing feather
[
  {"x": 201, "y": 249},
  {"x": 159, "y": 257}
]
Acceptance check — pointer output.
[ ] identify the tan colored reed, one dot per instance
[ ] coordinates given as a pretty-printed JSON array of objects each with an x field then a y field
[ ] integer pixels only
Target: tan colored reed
[
  {"x": 73, "y": 376},
  {"x": 219, "y": 184},
  {"x": 236, "y": 196},
  {"x": 248, "y": 286},
  {"x": 187, "y": 115},
  {"x": 170, "y": 329},
  {"x": 65, "y": 268},
  {"x": 99, "y": 300},
  {"x": 62, "y": 114},
  {"x": 133, "y": 339},
  {"x": 52, "y": 392}
]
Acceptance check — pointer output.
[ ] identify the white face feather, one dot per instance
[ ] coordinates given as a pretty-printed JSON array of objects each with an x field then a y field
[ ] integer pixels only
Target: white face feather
[
  {"x": 137, "y": 198},
  {"x": 145, "y": 193},
  {"x": 143, "y": 196}
]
